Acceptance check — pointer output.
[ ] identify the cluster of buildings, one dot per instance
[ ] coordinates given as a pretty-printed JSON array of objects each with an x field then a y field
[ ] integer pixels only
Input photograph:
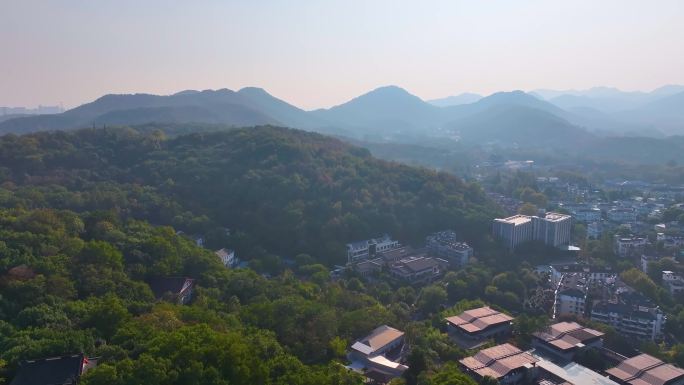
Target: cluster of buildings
[
  {"x": 553, "y": 229},
  {"x": 631, "y": 314},
  {"x": 443, "y": 250},
  {"x": 553, "y": 357},
  {"x": 597, "y": 293}
]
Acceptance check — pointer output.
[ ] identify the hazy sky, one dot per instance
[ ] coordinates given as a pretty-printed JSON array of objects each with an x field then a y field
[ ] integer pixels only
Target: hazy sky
[{"x": 319, "y": 53}]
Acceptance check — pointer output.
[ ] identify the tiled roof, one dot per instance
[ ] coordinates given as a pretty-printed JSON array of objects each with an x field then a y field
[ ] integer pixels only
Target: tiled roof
[
  {"x": 498, "y": 361},
  {"x": 379, "y": 338},
  {"x": 646, "y": 370},
  {"x": 475, "y": 320},
  {"x": 567, "y": 335}
]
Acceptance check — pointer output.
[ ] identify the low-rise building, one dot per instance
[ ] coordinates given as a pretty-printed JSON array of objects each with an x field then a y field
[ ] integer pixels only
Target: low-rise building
[
  {"x": 586, "y": 214},
  {"x": 368, "y": 267},
  {"x": 646, "y": 370},
  {"x": 594, "y": 230},
  {"x": 394, "y": 255},
  {"x": 418, "y": 269},
  {"x": 480, "y": 324},
  {"x": 379, "y": 352},
  {"x": 505, "y": 363},
  {"x": 64, "y": 370},
  {"x": 571, "y": 295},
  {"x": 227, "y": 256},
  {"x": 622, "y": 215},
  {"x": 358, "y": 251},
  {"x": 630, "y": 246},
  {"x": 445, "y": 245},
  {"x": 645, "y": 260},
  {"x": 593, "y": 274},
  {"x": 565, "y": 339},
  {"x": 632, "y": 315},
  {"x": 673, "y": 282}
]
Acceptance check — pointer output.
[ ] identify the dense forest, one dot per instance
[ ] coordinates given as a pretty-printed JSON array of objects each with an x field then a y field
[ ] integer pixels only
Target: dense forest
[
  {"x": 89, "y": 217},
  {"x": 279, "y": 190}
]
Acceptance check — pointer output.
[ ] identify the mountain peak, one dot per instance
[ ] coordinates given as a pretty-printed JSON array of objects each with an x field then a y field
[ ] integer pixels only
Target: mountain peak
[
  {"x": 253, "y": 91},
  {"x": 387, "y": 94}
]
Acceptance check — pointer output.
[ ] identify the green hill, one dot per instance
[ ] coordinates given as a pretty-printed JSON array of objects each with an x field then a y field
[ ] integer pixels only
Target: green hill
[{"x": 288, "y": 191}]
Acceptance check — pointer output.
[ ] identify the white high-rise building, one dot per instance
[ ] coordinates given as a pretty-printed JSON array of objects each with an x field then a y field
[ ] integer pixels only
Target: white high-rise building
[{"x": 554, "y": 229}]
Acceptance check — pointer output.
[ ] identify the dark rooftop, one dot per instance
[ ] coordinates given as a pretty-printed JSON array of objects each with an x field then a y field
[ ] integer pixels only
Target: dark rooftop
[{"x": 65, "y": 370}]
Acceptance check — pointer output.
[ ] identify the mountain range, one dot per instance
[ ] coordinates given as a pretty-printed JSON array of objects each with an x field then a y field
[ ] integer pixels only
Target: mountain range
[{"x": 517, "y": 118}]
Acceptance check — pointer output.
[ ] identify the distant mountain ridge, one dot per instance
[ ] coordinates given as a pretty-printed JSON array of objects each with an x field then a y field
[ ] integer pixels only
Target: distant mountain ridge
[
  {"x": 455, "y": 100},
  {"x": 391, "y": 113}
]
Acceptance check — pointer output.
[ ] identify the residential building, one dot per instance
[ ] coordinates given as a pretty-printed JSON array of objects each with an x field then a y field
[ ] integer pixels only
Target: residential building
[
  {"x": 505, "y": 363},
  {"x": 418, "y": 269},
  {"x": 632, "y": 315},
  {"x": 571, "y": 295},
  {"x": 554, "y": 229},
  {"x": 176, "y": 289},
  {"x": 673, "y": 282},
  {"x": 587, "y": 214},
  {"x": 227, "y": 256},
  {"x": 368, "y": 267},
  {"x": 630, "y": 246},
  {"x": 571, "y": 302},
  {"x": 480, "y": 324},
  {"x": 646, "y": 370},
  {"x": 64, "y": 370},
  {"x": 672, "y": 243},
  {"x": 645, "y": 260},
  {"x": 394, "y": 255},
  {"x": 379, "y": 352},
  {"x": 565, "y": 339},
  {"x": 594, "y": 230},
  {"x": 622, "y": 215},
  {"x": 445, "y": 244},
  {"x": 591, "y": 273},
  {"x": 358, "y": 251}
]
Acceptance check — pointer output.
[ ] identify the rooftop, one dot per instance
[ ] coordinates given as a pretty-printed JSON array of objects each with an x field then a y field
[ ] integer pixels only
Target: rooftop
[
  {"x": 645, "y": 370},
  {"x": 574, "y": 373},
  {"x": 498, "y": 361},
  {"x": 377, "y": 339},
  {"x": 556, "y": 217},
  {"x": 54, "y": 370},
  {"x": 515, "y": 220},
  {"x": 567, "y": 335},
  {"x": 416, "y": 263},
  {"x": 475, "y": 320}
]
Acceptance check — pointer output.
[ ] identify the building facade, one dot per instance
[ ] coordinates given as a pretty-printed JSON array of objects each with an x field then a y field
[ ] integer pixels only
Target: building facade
[
  {"x": 633, "y": 320},
  {"x": 445, "y": 244},
  {"x": 359, "y": 251},
  {"x": 553, "y": 229}
]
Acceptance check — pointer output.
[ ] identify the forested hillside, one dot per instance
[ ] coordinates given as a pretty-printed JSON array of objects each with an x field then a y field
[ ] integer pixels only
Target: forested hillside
[
  {"x": 281, "y": 191},
  {"x": 88, "y": 218},
  {"x": 76, "y": 283}
]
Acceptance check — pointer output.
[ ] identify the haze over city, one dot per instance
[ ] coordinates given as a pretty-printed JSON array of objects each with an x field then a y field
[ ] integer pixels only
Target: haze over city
[{"x": 319, "y": 54}]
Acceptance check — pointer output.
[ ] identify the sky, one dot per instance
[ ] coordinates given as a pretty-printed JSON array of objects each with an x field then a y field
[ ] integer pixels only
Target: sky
[{"x": 321, "y": 53}]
